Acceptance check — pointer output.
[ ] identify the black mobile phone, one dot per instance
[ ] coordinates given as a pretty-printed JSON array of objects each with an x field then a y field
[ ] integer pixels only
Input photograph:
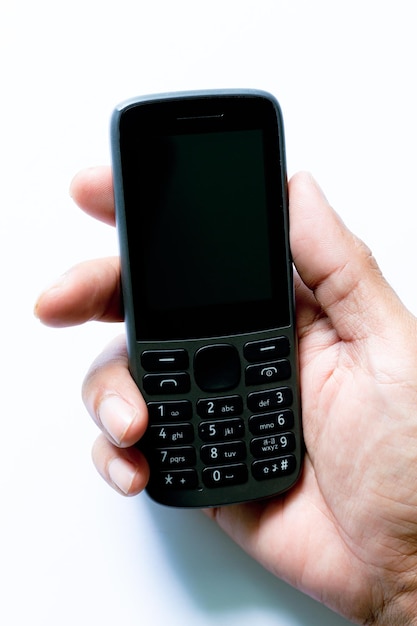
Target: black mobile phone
[{"x": 201, "y": 207}]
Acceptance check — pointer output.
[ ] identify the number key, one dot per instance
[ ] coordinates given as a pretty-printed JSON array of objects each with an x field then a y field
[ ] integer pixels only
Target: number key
[
  {"x": 171, "y": 434},
  {"x": 223, "y": 452},
  {"x": 224, "y": 476},
  {"x": 169, "y": 410},
  {"x": 272, "y": 445},
  {"x": 176, "y": 457},
  {"x": 228, "y": 406},
  {"x": 271, "y": 422},
  {"x": 221, "y": 430},
  {"x": 269, "y": 400}
]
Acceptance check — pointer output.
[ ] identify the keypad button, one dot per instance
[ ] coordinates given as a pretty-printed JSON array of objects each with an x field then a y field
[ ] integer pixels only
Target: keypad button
[
  {"x": 272, "y": 445},
  {"x": 213, "y": 454},
  {"x": 268, "y": 423},
  {"x": 168, "y": 410},
  {"x": 220, "y": 430},
  {"x": 178, "y": 479},
  {"x": 260, "y": 401},
  {"x": 176, "y": 457},
  {"x": 273, "y": 468},
  {"x": 266, "y": 350},
  {"x": 227, "y": 406},
  {"x": 175, "y": 382},
  {"x": 225, "y": 476},
  {"x": 217, "y": 367},
  {"x": 171, "y": 434},
  {"x": 267, "y": 372},
  {"x": 164, "y": 360}
]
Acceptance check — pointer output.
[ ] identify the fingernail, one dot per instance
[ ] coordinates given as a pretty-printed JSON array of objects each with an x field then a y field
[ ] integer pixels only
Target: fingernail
[
  {"x": 122, "y": 474},
  {"x": 56, "y": 284},
  {"x": 116, "y": 416}
]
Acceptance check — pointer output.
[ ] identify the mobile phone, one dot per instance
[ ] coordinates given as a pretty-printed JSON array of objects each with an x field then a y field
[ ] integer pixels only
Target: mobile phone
[{"x": 201, "y": 209}]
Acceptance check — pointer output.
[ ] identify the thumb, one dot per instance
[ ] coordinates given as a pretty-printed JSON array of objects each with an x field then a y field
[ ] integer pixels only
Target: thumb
[{"x": 338, "y": 267}]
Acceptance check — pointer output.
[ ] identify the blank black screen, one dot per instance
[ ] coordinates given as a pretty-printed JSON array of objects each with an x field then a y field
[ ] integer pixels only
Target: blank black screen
[{"x": 208, "y": 242}]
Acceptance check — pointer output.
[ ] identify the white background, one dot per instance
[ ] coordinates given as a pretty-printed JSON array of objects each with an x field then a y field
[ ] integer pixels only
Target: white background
[{"x": 71, "y": 550}]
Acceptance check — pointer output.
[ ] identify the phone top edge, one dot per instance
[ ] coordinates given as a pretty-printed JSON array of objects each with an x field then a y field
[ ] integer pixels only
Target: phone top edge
[
  {"x": 174, "y": 96},
  {"x": 195, "y": 94}
]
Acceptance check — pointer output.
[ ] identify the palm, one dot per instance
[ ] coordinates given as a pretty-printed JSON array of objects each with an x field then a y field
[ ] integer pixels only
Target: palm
[{"x": 324, "y": 537}]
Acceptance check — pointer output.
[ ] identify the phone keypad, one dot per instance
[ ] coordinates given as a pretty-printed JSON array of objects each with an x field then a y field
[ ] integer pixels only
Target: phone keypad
[{"x": 219, "y": 439}]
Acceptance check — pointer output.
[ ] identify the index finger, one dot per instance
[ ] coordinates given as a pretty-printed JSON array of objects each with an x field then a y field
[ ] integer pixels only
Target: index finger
[
  {"x": 88, "y": 291},
  {"x": 92, "y": 190}
]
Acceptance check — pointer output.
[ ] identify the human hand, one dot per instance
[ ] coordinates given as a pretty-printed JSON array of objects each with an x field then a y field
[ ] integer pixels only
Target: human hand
[{"x": 347, "y": 533}]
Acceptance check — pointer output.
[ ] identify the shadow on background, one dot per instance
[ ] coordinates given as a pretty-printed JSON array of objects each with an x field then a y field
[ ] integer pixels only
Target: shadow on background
[{"x": 221, "y": 578}]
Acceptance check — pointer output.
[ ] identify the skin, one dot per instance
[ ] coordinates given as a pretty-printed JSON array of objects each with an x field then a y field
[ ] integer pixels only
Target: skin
[{"x": 347, "y": 533}]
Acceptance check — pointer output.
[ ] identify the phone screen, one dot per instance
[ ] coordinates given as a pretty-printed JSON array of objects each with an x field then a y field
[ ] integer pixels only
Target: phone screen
[
  {"x": 204, "y": 214},
  {"x": 210, "y": 191}
]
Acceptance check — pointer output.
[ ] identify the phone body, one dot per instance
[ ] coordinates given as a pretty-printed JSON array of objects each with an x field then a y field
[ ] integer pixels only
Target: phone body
[{"x": 201, "y": 208}]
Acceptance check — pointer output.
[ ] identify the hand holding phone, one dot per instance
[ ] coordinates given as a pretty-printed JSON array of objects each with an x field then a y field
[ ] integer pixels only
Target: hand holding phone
[{"x": 201, "y": 209}]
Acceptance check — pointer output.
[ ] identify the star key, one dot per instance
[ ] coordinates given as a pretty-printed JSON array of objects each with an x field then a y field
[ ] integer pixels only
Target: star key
[{"x": 178, "y": 479}]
